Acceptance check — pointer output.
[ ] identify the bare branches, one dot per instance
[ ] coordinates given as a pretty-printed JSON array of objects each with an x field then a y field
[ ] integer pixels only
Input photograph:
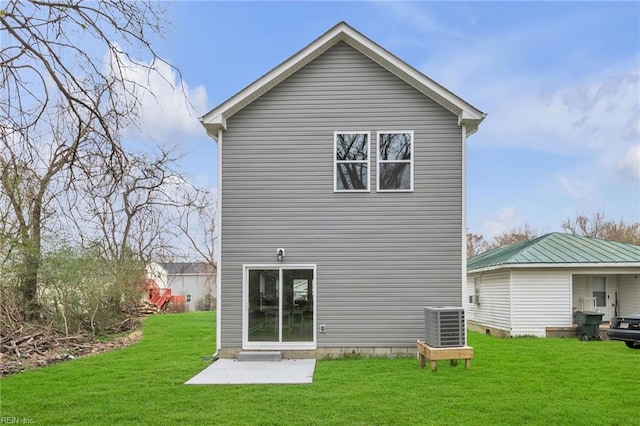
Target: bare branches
[
  {"x": 476, "y": 244},
  {"x": 584, "y": 225},
  {"x": 50, "y": 49},
  {"x": 597, "y": 226},
  {"x": 196, "y": 222},
  {"x": 124, "y": 208},
  {"x": 514, "y": 235},
  {"x": 65, "y": 97},
  {"x": 594, "y": 226}
]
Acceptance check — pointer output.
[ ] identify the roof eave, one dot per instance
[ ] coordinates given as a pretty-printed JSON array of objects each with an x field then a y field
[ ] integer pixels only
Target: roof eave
[
  {"x": 214, "y": 125},
  {"x": 554, "y": 265},
  {"x": 470, "y": 122}
]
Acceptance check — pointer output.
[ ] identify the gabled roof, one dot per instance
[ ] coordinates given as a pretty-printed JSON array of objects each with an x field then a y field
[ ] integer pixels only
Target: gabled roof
[
  {"x": 193, "y": 268},
  {"x": 558, "y": 249},
  {"x": 468, "y": 115}
]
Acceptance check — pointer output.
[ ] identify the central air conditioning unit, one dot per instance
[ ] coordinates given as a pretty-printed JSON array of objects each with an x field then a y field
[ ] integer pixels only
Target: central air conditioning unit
[{"x": 444, "y": 326}]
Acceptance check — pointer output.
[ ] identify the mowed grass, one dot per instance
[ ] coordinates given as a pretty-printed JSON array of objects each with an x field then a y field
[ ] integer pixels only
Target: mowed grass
[{"x": 511, "y": 382}]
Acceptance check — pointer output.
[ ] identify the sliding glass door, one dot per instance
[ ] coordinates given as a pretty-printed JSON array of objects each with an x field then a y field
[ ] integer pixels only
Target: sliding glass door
[{"x": 279, "y": 306}]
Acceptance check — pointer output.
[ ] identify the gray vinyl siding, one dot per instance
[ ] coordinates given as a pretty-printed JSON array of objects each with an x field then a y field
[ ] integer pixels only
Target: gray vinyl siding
[{"x": 381, "y": 257}]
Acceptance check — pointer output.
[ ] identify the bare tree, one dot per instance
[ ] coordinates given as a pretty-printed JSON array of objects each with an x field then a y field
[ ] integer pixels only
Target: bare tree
[
  {"x": 597, "y": 226},
  {"x": 196, "y": 221},
  {"x": 476, "y": 244},
  {"x": 45, "y": 57},
  {"x": 60, "y": 102},
  {"x": 125, "y": 210},
  {"x": 585, "y": 225},
  {"x": 30, "y": 173},
  {"x": 514, "y": 235}
]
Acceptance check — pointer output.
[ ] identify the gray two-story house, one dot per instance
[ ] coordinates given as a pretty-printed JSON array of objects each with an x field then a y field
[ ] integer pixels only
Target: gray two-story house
[{"x": 341, "y": 194}]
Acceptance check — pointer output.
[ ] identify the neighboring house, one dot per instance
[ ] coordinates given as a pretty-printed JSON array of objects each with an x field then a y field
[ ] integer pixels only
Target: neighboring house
[
  {"x": 341, "y": 189},
  {"x": 534, "y": 287},
  {"x": 192, "y": 280}
]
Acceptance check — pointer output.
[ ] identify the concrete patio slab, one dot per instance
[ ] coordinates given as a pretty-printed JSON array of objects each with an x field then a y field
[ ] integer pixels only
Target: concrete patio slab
[{"x": 233, "y": 372}]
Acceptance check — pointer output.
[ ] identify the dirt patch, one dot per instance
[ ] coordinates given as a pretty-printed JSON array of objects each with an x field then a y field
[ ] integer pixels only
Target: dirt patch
[{"x": 26, "y": 351}]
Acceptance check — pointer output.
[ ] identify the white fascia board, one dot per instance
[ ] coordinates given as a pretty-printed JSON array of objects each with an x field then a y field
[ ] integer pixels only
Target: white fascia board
[
  {"x": 467, "y": 114},
  {"x": 556, "y": 266},
  {"x": 471, "y": 121}
]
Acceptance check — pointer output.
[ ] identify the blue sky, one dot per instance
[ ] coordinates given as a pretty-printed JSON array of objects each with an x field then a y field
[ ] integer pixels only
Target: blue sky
[{"x": 560, "y": 82}]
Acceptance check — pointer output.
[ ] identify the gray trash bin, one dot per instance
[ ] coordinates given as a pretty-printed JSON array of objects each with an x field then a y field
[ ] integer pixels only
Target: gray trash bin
[{"x": 588, "y": 323}]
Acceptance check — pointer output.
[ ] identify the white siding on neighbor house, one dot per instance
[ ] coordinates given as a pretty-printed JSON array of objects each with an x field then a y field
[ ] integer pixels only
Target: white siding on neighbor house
[
  {"x": 158, "y": 274},
  {"x": 540, "y": 299},
  {"x": 381, "y": 257},
  {"x": 196, "y": 285},
  {"x": 580, "y": 291},
  {"x": 494, "y": 308},
  {"x": 629, "y": 294},
  {"x": 181, "y": 284}
]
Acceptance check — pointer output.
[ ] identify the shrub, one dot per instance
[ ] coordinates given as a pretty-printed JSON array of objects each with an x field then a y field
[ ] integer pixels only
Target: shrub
[
  {"x": 86, "y": 293},
  {"x": 206, "y": 303}
]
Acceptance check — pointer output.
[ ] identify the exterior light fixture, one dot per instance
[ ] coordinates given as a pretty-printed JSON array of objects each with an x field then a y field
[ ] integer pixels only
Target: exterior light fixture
[{"x": 280, "y": 254}]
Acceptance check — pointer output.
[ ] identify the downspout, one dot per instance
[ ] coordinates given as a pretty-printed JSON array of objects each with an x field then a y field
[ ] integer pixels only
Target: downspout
[
  {"x": 464, "y": 226},
  {"x": 216, "y": 356}
]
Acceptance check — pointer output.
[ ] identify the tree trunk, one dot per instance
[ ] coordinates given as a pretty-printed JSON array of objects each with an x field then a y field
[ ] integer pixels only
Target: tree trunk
[
  {"x": 29, "y": 286},
  {"x": 31, "y": 267}
]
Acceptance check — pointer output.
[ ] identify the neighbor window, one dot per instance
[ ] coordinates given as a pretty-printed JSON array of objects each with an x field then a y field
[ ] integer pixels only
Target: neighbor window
[
  {"x": 187, "y": 298},
  {"x": 351, "y": 161},
  {"x": 477, "y": 285},
  {"x": 599, "y": 290},
  {"x": 395, "y": 161}
]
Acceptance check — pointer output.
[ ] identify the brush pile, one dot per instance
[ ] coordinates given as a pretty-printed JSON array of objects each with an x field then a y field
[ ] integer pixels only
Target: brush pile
[{"x": 27, "y": 348}]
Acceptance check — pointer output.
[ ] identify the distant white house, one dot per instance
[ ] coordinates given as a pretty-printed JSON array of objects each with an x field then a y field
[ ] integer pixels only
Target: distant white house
[
  {"x": 534, "y": 287},
  {"x": 195, "y": 281}
]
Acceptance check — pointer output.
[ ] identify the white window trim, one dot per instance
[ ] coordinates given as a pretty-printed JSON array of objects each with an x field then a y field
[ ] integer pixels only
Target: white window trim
[
  {"x": 335, "y": 160},
  {"x": 246, "y": 345},
  {"x": 188, "y": 297},
  {"x": 477, "y": 289},
  {"x": 380, "y": 161}
]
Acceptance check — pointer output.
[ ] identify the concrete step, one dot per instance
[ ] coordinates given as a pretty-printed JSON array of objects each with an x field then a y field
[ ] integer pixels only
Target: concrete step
[{"x": 260, "y": 356}]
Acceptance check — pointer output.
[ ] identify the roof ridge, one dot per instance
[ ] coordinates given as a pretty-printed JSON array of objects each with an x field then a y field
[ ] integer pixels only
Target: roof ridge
[{"x": 558, "y": 248}]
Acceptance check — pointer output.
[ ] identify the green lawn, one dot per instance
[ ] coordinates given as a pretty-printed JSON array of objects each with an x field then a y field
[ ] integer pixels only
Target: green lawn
[{"x": 511, "y": 382}]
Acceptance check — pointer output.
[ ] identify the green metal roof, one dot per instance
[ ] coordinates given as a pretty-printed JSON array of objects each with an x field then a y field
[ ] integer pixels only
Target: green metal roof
[{"x": 556, "y": 249}]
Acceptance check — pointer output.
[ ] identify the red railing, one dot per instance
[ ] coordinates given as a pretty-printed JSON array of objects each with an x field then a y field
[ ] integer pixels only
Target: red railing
[{"x": 156, "y": 295}]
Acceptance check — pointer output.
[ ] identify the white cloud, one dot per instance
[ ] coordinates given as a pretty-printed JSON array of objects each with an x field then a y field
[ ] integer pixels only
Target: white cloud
[
  {"x": 577, "y": 188},
  {"x": 589, "y": 114},
  {"x": 569, "y": 107},
  {"x": 169, "y": 108},
  {"x": 578, "y": 105},
  {"x": 629, "y": 166},
  {"x": 596, "y": 114},
  {"x": 503, "y": 219},
  {"x": 418, "y": 18}
]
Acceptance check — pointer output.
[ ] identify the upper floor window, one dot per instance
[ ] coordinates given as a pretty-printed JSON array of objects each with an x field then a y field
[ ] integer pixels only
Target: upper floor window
[
  {"x": 351, "y": 168},
  {"x": 395, "y": 161}
]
